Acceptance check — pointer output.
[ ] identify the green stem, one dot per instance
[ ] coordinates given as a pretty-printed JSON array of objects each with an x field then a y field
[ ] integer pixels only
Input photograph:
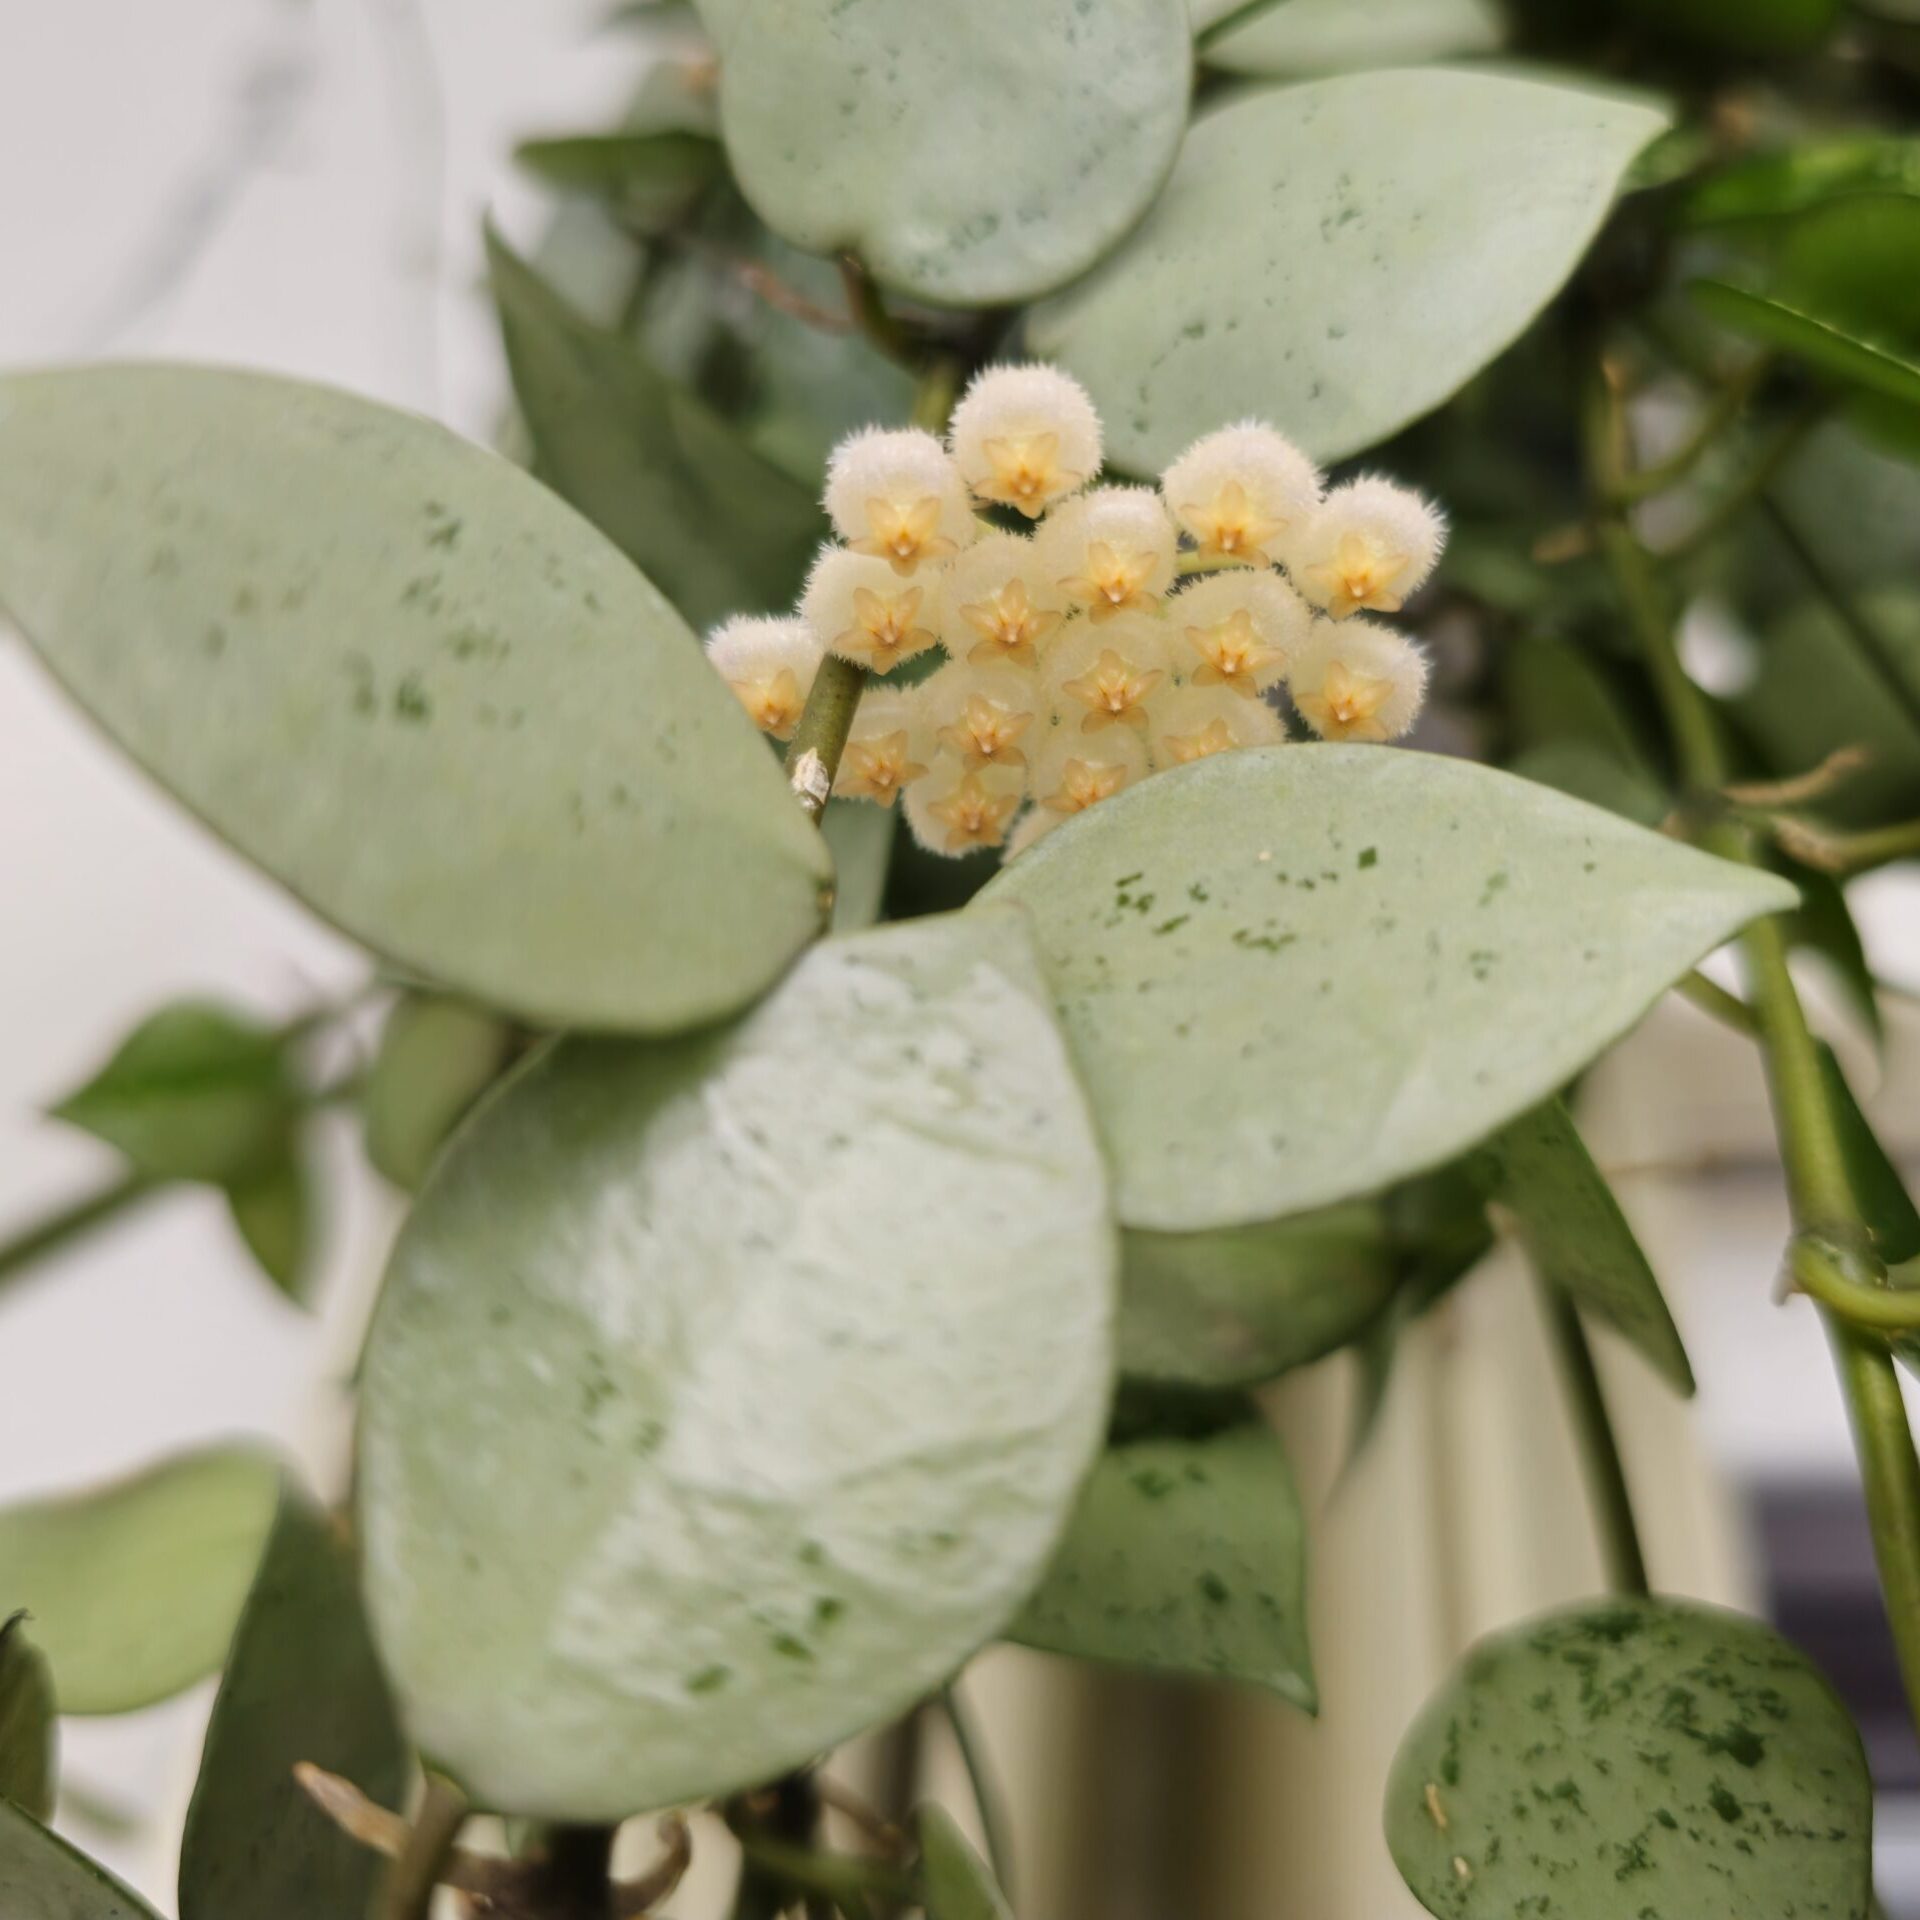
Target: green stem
[
  {"x": 1751, "y": 488},
  {"x": 986, "y": 1797},
  {"x": 407, "y": 1891},
  {"x": 72, "y": 1223},
  {"x": 1819, "y": 1272},
  {"x": 939, "y": 388},
  {"x": 1726, "y": 405},
  {"x": 1599, "y": 1450},
  {"x": 1710, "y": 997},
  {"x": 1847, "y": 854}
]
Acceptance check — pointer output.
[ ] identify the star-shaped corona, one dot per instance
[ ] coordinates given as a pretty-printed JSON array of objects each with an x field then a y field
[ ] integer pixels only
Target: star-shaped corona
[{"x": 973, "y": 814}]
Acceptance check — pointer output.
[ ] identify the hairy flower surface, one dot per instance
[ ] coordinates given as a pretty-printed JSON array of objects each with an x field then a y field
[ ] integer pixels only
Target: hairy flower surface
[
  {"x": 1193, "y": 723},
  {"x": 996, "y": 603},
  {"x": 1111, "y": 551},
  {"x": 1239, "y": 629},
  {"x": 769, "y": 664},
  {"x": 885, "y": 752},
  {"x": 1240, "y": 491},
  {"x": 862, "y": 610},
  {"x": 1368, "y": 548},
  {"x": 1103, "y": 674},
  {"x": 894, "y": 494},
  {"x": 982, "y": 714},
  {"x": 1072, "y": 773},
  {"x": 1359, "y": 680},
  {"x": 958, "y": 809},
  {"x": 1025, "y": 437}
]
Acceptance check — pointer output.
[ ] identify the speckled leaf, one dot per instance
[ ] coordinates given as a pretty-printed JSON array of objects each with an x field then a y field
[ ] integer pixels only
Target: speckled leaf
[
  {"x": 410, "y": 683},
  {"x": 436, "y": 1057},
  {"x": 718, "y": 529},
  {"x": 1293, "y": 975},
  {"x": 1334, "y": 36},
  {"x": 1240, "y": 1305},
  {"x": 970, "y": 155},
  {"x": 301, "y": 1683},
  {"x": 26, "y": 1721},
  {"x": 1304, "y": 267},
  {"x": 42, "y": 1878},
  {"x": 1834, "y": 350},
  {"x": 1187, "y": 1555},
  {"x": 724, "y": 1395},
  {"x": 1629, "y": 1759},
  {"x": 861, "y": 837},
  {"x": 1563, "y": 1212},
  {"x": 134, "y": 1587},
  {"x": 957, "y": 1883}
]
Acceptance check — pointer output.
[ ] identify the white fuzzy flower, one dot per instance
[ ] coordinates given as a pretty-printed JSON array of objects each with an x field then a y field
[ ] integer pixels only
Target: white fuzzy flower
[
  {"x": 982, "y": 713},
  {"x": 956, "y": 809},
  {"x": 998, "y": 603},
  {"x": 886, "y": 748},
  {"x": 1101, "y": 676},
  {"x": 1193, "y": 723},
  {"x": 862, "y": 610},
  {"x": 1358, "y": 680},
  {"x": 1072, "y": 772},
  {"x": 1111, "y": 551},
  {"x": 1025, "y": 437},
  {"x": 1240, "y": 491},
  {"x": 1238, "y": 629},
  {"x": 893, "y": 493},
  {"x": 770, "y": 665},
  {"x": 1368, "y": 548}
]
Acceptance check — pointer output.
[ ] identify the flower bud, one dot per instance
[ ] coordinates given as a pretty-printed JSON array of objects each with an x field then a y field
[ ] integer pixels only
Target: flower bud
[
  {"x": 982, "y": 714},
  {"x": 893, "y": 494},
  {"x": 997, "y": 602},
  {"x": 886, "y": 748},
  {"x": 1025, "y": 437},
  {"x": 1238, "y": 630},
  {"x": 863, "y": 610},
  {"x": 1111, "y": 550},
  {"x": 1193, "y": 723},
  {"x": 1358, "y": 680},
  {"x": 1101, "y": 676},
  {"x": 1072, "y": 772},
  {"x": 1368, "y": 548},
  {"x": 1240, "y": 491},
  {"x": 957, "y": 810},
  {"x": 769, "y": 664}
]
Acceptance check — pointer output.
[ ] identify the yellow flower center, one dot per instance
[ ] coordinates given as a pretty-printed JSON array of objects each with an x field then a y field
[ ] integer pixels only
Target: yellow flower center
[
  {"x": 1229, "y": 529},
  {"x": 1027, "y": 474},
  {"x": 1082, "y": 783},
  {"x": 883, "y": 631},
  {"x": 1231, "y": 654},
  {"x": 972, "y": 816},
  {"x": 985, "y": 733},
  {"x": 1211, "y": 739},
  {"x": 1347, "y": 705},
  {"x": 904, "y": 534},
  {"x": 773, "y": 702},
  {"x": 1114, "y": 582},
  {"x": 1008, "y": 626},
  {"x": 1359, "y": 575},
  {"x": 877, "y": 768},
  {"x": 1111, "y": 690}
]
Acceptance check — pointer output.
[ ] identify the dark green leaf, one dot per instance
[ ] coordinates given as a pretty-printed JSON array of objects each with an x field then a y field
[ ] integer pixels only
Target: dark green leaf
[
  {"x": 26, "y": 1722},
  {"x": 1803, "y": 176},
  {"x": 195, "y": 1092},
  {"x": 134, "y": 1587},
  {"x": 1879, "y": 1191},
  {"x": 716, "y": 527},
  {"x": 411, "y": 684},
  {"x": 301, "y": 1684},
  {"x": 1634, "y": 1758},
  {"x": 436, "y": 1057},
  {"x": 653, "y": 178},
  {"x": 42, "y": 1878},
  {"x": 1564, "y": 1213},
  {"x": 1186, "y": 1555},
  {"x": 1856, "y": 261},
  {"x": 769, "y": 1361},
  {"x": 1828, "y": 348},
  {"x": 1240, "y": 1305},
  {"x": 1769, "y": 27},
  {"x": 273, "y": 1212},
  {"x": 1824, "y": 926},
  {"x": 955, "y": 1880}
]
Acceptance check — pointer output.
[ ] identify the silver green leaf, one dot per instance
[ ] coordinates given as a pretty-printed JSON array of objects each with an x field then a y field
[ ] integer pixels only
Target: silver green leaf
[
  {"x": 970, "y": 155},
  {"x": 1301, "y": 37},
  {"x": 411, "y": 684},
  {"x": 725, "y": 1394},
  {"x": 1187, "y": 1555},
  {"x": 302, "y": 1683},
  {"x": 1634, "y": 1758},
  {"x": 134, "y": 1587},
  {"x": 957, "y": 1883},
  {"x": 27, "y": 1734},
  {"x": 43, "y": 1878},
  {"x": 861, "y": 836},
  {"x": 1305, "y": 267},
  {"x": 1564, "y": 1213},
  {"x": 1240, "y": 1305},
  {"x": 1294, "y": 975}
]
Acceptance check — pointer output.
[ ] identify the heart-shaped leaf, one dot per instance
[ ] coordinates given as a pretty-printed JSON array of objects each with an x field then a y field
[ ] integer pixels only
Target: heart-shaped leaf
[
  {"x": 1630, "y": 1759},
  {"x": 410, "y": 683},
  {"x": 1564, "y": 1213},
  {"x": 970, "y": 155},
  {"x": 957, "y": 1883},
  {"x": 1333, "y": 36},
  {"x": 718, "y": 529},
  {"x": 724, "y": 1395},
  {"x": 1187, "y": 1555},
  {"x": 1293, "y": 975},
  {"x": 301, "y": 1684},
  {"x": 134, "y": 1588},
  {"x": 42, "y": 1878},
  {"x": 26, "y": 1722},
  {"x": 1240, "y": 1305},
  {"x": 1833, "y": 349},
  {"x": 1303, "y": 266}
]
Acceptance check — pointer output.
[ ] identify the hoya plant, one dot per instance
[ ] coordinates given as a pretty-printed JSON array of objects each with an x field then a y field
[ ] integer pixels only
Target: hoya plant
[{"x": 1079, "y": 701}]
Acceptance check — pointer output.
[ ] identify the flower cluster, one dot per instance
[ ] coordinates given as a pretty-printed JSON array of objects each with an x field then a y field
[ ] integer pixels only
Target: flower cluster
[{"x": 1121, "y": 631}]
